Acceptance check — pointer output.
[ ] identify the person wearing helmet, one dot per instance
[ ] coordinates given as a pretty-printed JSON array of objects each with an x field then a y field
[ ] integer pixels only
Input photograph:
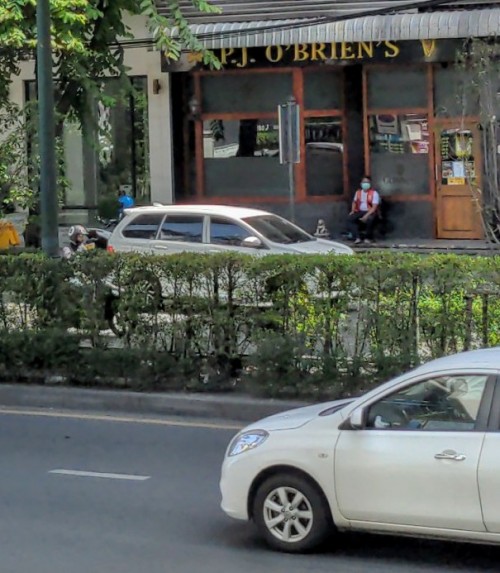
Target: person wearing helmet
[{"x": 78, "y": 237}]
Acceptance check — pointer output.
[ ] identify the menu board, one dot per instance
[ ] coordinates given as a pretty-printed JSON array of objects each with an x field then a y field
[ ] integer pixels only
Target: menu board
[{"x": 457, "y": 157}]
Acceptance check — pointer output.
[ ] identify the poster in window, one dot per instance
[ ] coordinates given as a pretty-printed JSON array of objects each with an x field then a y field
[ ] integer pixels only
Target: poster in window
[{"x": 387, "y": 124}]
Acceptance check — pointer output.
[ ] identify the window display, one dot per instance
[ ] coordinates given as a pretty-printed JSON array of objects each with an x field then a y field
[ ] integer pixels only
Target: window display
[
  {"x": 457, "y": 157},
  {"x": 399, "y": 153}
]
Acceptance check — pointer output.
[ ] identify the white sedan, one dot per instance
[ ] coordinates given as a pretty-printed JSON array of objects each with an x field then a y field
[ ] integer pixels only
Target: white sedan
[
  {"x": 169, "y": 229},
  {"x": 417, "y": 456}
]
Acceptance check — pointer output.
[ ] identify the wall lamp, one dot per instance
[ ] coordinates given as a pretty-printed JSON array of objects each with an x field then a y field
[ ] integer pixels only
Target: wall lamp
[
  {"x": 156, "y": 87},
  {"x": 194, "y": 108}
]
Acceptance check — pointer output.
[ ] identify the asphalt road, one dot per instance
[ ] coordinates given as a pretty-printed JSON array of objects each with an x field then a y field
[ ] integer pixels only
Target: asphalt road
[{"x": 165, "y": 518}]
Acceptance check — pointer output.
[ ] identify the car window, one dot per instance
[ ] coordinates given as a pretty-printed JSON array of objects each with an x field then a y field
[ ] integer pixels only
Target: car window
[
  {"x": 187, "y": 228},
  {"x": 143, "y": 226},
  {"x": 278, "y": 230},
  {"x": 446, "y": 403},
  {"x": 225, "y": 232}
]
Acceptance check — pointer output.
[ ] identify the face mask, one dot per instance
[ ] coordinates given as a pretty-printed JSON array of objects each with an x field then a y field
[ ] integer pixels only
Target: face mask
[{"x": 365, "y": 186}]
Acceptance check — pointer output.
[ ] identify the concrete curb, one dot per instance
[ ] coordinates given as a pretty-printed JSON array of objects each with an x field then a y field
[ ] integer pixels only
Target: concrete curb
[{"x": 234, "y": 408}]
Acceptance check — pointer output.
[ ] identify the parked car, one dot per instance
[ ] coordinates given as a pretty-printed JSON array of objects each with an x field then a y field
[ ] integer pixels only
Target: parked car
[
  {"x": 167, "y": 229},
  {"x": 416, "y": 456}
]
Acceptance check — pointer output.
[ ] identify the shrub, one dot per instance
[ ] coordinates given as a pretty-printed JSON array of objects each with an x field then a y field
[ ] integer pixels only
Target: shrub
[{"x": 302, "y": 326}]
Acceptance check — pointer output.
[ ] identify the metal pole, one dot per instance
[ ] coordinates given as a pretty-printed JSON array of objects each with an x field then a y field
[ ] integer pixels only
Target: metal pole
[
  {"x": 46, "y": 133},
  {"x": 291, "y": 164}
]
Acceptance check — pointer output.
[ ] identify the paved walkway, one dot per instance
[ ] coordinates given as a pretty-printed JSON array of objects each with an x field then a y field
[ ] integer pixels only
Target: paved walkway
[{"x": 433, "y": 246}]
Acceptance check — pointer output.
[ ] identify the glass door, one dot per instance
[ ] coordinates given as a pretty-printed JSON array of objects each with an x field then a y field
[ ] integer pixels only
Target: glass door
[{"x": 458, "y": 182}]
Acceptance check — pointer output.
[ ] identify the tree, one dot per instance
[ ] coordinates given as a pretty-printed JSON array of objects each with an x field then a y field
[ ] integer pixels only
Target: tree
[
  {"x": 88, "y": 40},
  {"x": 480, "y": 63}
]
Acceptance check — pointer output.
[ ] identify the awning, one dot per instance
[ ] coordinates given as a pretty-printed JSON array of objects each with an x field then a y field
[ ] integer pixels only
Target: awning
[{"x": 425, "y": 26}]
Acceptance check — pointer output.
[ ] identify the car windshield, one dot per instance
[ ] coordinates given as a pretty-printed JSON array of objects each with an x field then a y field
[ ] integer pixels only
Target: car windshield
[{"x": 278, "y": 230}]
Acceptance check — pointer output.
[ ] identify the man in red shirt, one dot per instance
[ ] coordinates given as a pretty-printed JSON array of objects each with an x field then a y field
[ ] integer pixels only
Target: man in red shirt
[{"x": 364, "y": 210}]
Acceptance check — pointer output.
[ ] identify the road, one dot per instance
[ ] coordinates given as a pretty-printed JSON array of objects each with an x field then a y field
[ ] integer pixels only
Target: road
[{"x": 165, "y": 517}]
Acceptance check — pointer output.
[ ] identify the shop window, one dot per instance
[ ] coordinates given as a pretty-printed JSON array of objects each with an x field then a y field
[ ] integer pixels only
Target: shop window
[
  {"x": 186, "y": 228},
  {"x": 143, "y": 226},
  {"x": 399, "y": 149},
  {"x": 453, "y": 96},
  {"x": 245, "y": 93},
  {"x": 224, "y": 232},
  {"x": 397, "y": 88},
  {"x": 117, "y": 150},
  {"x": 242, "y": 158},
  {"x": 322, "y": 90},
  {"x": 324, "y": 156},
  {"x": 123, "y": 149}
]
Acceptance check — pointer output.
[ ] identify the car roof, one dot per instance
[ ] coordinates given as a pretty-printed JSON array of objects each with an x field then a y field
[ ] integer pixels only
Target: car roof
[
  {"x": 228, "y": 210},
  {"x": 488, "y": 358}
]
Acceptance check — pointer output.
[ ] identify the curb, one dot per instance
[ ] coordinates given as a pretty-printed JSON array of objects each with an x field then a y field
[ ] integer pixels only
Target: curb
[{"x": 232, "y": 408}]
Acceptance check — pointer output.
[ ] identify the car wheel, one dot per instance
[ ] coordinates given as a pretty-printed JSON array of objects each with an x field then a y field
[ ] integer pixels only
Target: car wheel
[{"x": 291, "y": 513}]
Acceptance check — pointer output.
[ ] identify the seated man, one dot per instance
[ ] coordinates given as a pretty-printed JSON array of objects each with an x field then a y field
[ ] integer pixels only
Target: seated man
[{"x": 364, "y": 210}]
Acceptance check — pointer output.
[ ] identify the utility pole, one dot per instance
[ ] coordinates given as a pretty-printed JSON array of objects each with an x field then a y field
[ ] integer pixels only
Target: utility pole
[
  {"x": 46, "y": 133},
  {"x": 289, "y": 142}
]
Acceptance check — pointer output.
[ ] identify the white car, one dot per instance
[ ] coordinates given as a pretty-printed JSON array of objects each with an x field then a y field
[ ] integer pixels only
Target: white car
[
  {"x": 168, "y": 229},
  {"x": 417, "y": 456}
]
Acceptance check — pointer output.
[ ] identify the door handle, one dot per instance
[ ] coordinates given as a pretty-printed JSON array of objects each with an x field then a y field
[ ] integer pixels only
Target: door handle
[{"x": 450, "y": 455}]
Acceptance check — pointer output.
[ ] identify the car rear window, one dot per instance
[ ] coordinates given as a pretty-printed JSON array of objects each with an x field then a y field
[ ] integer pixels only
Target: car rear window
[
  {"x": 143, "y": 226},
  {"x": 186, "y": 228}
]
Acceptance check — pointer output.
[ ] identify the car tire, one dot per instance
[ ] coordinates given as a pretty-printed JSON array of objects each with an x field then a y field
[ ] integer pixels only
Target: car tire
[{"x": 303, "y": 527}]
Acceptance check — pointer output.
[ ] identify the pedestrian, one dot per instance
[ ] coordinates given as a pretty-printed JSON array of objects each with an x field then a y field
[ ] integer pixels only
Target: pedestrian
[{"x": 364, "y": 211}]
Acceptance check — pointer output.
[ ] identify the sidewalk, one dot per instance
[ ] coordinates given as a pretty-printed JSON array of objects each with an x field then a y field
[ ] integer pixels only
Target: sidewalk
[
  {"x": 431, "y": 246},
  {"x": 230, "y": 407}
]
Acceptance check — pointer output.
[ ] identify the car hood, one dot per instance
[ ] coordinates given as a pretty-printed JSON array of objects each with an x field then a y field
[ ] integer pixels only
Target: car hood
[
  {"x": 298, "y": 417},
  {"x": 318, "y": 246}
]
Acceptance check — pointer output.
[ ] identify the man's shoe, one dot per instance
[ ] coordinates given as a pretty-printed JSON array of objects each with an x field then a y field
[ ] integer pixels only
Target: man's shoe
[{"x": 358, "y": 241}]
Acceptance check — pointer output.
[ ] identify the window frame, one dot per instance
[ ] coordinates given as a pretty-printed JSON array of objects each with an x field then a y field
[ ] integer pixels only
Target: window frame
[
  {"x": 167, "y": 216},
  {"x": 236, "y": 222},
  {"x": 134, "y": 219},
  {"x": 299, "y": 76},
  {"x": 427, "y": 110},
  {"x": 483, "y": 419}
]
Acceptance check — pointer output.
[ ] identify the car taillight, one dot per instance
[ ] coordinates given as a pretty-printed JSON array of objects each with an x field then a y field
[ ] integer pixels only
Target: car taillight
[{"x": 110, "y": 249}]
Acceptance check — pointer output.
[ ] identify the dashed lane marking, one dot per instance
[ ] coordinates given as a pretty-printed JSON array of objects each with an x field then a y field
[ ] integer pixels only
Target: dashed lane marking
[{"x": 79, "y": 473}]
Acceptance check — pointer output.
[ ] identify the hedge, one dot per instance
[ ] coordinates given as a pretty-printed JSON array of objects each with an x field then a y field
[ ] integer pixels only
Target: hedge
[{"x": 292, "y": 326}]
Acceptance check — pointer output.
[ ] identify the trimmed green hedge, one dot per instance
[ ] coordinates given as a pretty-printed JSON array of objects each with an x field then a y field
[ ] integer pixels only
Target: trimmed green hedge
[{"x": 294, "y": 326}]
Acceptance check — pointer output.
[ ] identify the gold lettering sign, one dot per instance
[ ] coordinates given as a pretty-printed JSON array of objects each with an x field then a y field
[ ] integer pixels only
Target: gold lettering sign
[{"x": 318, "y": 52}]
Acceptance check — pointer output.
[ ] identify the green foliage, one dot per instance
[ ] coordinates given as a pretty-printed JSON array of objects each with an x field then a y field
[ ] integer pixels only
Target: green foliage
[
  {"x": 86, "y": 37},
  {"x": 283, "y": 326},
  {"x": 18, "y": 182}
]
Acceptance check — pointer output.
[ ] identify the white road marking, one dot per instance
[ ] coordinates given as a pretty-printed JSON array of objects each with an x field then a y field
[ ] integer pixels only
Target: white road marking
[
  {"x": 113, "y": 418},
  {"x": 79, "y": 473}
]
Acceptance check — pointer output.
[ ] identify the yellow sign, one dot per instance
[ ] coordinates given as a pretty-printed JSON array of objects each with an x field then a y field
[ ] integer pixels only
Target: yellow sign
[
  {"x": 456, "y": 181},
  {"x": 318, "y": 52}
]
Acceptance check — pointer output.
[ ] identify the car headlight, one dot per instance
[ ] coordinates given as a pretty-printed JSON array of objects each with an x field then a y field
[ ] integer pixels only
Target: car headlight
[{"x": 247, "y": 441}]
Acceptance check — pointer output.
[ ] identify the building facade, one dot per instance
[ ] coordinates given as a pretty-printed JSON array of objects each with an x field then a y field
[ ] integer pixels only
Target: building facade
[{"x": 380, "y": 95}]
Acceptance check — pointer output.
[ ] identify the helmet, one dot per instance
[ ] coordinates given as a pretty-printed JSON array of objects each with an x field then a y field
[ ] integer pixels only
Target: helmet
[{"x": 76, "y": 230}]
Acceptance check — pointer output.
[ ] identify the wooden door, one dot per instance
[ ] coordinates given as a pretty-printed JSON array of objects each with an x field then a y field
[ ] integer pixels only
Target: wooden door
[{"x": 458, "y": 179}]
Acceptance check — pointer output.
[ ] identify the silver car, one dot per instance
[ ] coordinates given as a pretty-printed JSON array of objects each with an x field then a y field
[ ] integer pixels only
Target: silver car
[{"x": 169, "y": 229}]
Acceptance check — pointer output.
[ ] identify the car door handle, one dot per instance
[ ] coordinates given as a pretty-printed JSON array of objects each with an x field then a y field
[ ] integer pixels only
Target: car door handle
[{"x": 450, "y": 455}]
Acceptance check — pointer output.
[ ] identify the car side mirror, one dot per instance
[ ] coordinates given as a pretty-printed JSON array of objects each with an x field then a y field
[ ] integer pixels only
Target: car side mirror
[
  {"x": 357, "y": 419},
  {"x": 252, "y": 243}
]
